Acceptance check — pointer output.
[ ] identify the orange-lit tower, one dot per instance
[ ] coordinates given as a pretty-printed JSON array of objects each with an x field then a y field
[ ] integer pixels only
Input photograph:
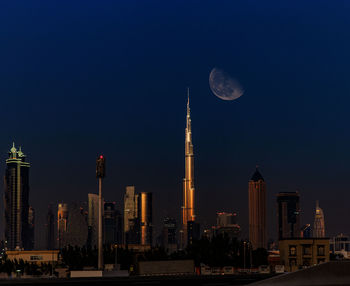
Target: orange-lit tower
[{"x": 188, "y": 182}]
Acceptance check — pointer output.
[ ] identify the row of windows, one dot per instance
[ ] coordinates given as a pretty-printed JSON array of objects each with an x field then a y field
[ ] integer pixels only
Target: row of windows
[{"x": 306, "y": 250}]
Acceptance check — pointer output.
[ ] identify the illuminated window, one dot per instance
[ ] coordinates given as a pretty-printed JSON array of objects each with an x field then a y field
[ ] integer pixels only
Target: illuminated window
[{"x": 292, "y": 250}]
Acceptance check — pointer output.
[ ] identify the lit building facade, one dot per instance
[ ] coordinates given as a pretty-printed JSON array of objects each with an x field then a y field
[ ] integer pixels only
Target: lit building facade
[
  {"x": 257, "y": 211},
  {"x": 16, "y": 201},
  {"x": 303, "y": 252},
  {"x": 288, "y": 215},
  {"x": 319, "y": 226},
  {"x": 188, "y": 210},
  {"x": 146, "y": 218},
  {"x": 226, "y": 224},
  {"x": 131, "y": 216},
  {"x": 62, "y": 222}
]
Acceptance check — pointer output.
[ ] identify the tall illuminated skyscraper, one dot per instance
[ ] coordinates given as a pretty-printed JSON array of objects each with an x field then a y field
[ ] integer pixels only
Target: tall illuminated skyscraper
[
  {"x": 319, "y": 227},
  {"x": 188, "y": 182},
  {"x": 257, "y": 210},
  {"x": 17, "y": 229},
  {"x": 146, "y": 227}
]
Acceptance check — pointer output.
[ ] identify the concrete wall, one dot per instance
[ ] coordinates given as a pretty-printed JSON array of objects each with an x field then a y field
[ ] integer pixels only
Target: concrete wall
[{"x": 166, "y": 267}]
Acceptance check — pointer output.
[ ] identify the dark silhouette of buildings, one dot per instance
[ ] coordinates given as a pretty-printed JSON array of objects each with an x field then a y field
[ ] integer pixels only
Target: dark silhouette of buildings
[
  {"x": 169, "y": 233},
  {"x": 50, "y": 229},
  {"x": 193, "y": 232},
  {"x": 18, "y": 232},
  {"x": 288, "y": 214},
  {"x": 257, "y": 211},
  {"x": 112, "y": 224}
]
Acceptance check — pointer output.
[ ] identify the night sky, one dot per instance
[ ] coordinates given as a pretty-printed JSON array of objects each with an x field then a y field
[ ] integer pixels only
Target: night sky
[{"x": 80, "y": 78}]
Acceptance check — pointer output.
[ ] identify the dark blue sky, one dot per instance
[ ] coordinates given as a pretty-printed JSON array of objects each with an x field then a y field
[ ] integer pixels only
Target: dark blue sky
[{"x": 82, "y": 77}]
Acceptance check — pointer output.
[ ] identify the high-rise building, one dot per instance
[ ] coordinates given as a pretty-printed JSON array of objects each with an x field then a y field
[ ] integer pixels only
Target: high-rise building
[
  {"x": 319, "y": 227},
  {"x": 50, "y": 229},
  {"x": 112, "y": 224},
  {"x": 93, "y": 219},
  {"x": 193, "y": 232},
  {"x": 62, "y": 222},
  {"x": 146, "y": 227},
  {"x": 16, "y": 201},
  {"x": 31, "y": 224},
  {"x": 288, "y": 214},
  {"x": 306, "y": 231},
  {"x": 131, "y": 216},
  {"x": 226, "y": 224},
  {"x": 169, "y": 241},
  {"x": 188, "y": 213},
  {"x": 76, "y": 233},
  {"x": 257, "y": 210}
]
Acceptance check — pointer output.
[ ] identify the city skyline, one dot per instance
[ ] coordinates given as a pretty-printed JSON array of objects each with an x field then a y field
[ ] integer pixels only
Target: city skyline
[{"x": 80, "y": 80}]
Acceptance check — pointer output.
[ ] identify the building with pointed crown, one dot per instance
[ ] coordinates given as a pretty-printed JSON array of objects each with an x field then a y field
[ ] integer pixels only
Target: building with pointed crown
[
  {"x": 188, "y": 199},
  {"x": 319, "y": 226},
  {"x": 18, "y": 232},
  {"x": 257, "y": 210}
]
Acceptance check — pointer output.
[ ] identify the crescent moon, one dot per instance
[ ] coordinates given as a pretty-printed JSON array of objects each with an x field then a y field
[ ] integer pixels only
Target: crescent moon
[{"x": 224, "y": 86}]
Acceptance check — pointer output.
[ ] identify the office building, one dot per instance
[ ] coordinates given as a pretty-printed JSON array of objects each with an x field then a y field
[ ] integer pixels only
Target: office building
[
  {"x": 188, "y": 206},
  {"x": 131, "y": 216},
  {"x": 193, "y": 232},
  {"x": 112, "y": 224},
  {"x": 169, "y": 234},
  {"x": 288, "y": 215},
  {"x": 146, "y": 218},
  {"x": 93, "y": 219},
  {"x": 257, "y": 211},
  {"x": 62, "y": 222},
  {"x": 76, "y": 233},
  {"x": 226, "y": 224},
  {"x": 319, "y": 226},
  {"x": 16, "y": 201}
]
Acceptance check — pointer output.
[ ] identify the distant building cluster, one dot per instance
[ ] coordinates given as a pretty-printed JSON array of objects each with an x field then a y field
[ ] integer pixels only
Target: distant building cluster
[{"x": 131, "y": 224}]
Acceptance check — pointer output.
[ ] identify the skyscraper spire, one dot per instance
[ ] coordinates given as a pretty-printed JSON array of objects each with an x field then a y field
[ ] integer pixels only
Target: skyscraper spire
[{"x": 188, "y": 181}]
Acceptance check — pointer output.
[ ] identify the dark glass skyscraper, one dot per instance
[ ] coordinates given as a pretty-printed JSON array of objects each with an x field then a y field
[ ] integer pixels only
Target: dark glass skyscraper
[
  {"x": 17, "y": 229},
  {"x": 288, "y": 214},
  {"x": 112, "y": 224}
]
